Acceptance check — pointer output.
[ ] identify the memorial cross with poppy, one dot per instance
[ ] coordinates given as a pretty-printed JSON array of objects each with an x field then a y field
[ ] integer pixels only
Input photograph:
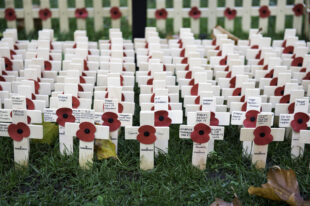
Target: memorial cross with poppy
[
  {"x": 198, "y": 129},
  {"x": 262, "y": 134}
]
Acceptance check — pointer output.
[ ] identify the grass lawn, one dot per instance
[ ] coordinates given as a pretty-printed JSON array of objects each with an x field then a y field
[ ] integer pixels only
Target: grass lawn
[{"x": 52, "y": 179}]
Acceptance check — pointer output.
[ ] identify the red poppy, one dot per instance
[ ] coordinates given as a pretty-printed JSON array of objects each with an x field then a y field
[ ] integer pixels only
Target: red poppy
[
  {"x": 279, "y": 91},
  {"x": 164, "y": 68},
  {"x": 269, "y": 74},
  {"x": 45, "y": 14},
  {"x": 250, "y": 119},
  {"x": 226, "y": 68},
  {"x": 110, "y": 119},
  {"x": 288, "y": 50},
  {"x": 261, "y": 62},
  {"x": 223, "y": 61},
  {"x": 80, "y": 88},
  {"x": 284, "y": 43},
  {"x": 188, "y": 75},
  {"x": 33, "y": 96},
  {"x": 258, "y": 55},
  {"x": 36, "y": 85},
  {"x": 291, "y": 108},
  {"x": 86, "y": 132},
  {"x": 237, "y": 92},
  {"x": 213, "y": 120},
  {"x": 85, "y": 65},
  {"x": 213, "y": 42},
  {"x": 297, "y": 62},
  {"x": 153, "y": 98},
  {"x": 186, "y": 68},
  {"x": 232, "y": 82},
  {"x": 298, "y": 9},
  {"x": 244, "y": 106},
  {"x": 255, "y": 46},
  {"x": 230, "y": 13},
  {"x": 219, "y": 53},
  {"x": 82, "y": 80},
  {"x": 81, "y": 13},
  {"x": 182, "y": 53},
  {"x": 162, "y": 119},
  {"x": 194, "y": 12},
  {"x": 18, "y": 131},
  {"x": 191, "y": 82},
  {"x": 274, "y": 81},
  {"x": 201, "y": 133},
  {"x": 194, "y": 90},
  {"x": 184, "y": 60},
  {"x": 264, "y": 11},
  {"x": 146, "y": 134},
  {"x": 217, "y": 48},
  {"x": 122, "y": 98},
  {"x": 2, "y": 79},
  {"x": 242, "y": 99},
  {"x": 64, "y": 115},
  {"x": 285, "y": 99},
  {"x": 16, "y": 47},
  {"x": 8, "y": 64},
  {"x": 146, "y": 45},
  {"x": 115, "y": 13},
  {"x": 149, "y": 81},
  {"x": 4, "y": 73},
  {"x": 75, "y": 102},
  {"x": 307, "y": 76},
  {"x": 29, "y": 104},
  {"x": 9, "y": 14},
  {"x": 47, "y": 66},
  {"x": 300, "y": 121},
  {"x": 303, "y": 69},
  {"x": 262, "y": 135},
  {"x": 161, "y": 13}
]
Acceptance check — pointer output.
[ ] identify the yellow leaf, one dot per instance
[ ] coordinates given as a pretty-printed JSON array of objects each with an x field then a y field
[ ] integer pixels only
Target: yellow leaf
[
  {"x": 105, "y": 149},
  {"x": 50, "y": 133},
  {"x": 281, "y": 185}
]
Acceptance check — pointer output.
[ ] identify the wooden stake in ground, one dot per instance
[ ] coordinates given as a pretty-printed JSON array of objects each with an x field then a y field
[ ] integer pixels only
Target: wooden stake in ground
[{"x": 200, "y": 131}]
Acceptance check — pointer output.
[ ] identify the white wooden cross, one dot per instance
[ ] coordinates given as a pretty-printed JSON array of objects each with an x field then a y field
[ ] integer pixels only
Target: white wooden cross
[
  {"x": 200, "y": 131},
  {"x": 20, "y": 130},
  {"x": 298, "y": 121},
  {"x": 87, "y": 132},
  {"x": 147, "y": 135},
  {"x": 305, "y": 137},
  {"x": 261, "y": 135}
]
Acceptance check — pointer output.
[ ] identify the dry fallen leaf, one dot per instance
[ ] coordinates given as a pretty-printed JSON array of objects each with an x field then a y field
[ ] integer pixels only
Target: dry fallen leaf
[
  {"x": 105, "y": 149},
  {"x": 281, "y": 185},
  {"x": 220, "y": 202}
]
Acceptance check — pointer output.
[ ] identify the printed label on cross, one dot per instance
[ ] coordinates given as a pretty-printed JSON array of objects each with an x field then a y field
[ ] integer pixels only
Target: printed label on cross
[
  {"x": 147, "y": 135},
  {"x": 200, "y": 131},
  {"x": 261, "y": 135},
  {"x": 298, "y": 121},
  {"x": 20, "y": 130}
]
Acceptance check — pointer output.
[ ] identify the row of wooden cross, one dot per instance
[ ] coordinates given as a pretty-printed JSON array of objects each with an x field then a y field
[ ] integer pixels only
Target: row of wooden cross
[{"x": 90, "y": 93}]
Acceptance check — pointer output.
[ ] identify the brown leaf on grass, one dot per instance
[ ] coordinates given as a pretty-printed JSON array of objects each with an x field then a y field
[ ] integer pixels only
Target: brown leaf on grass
[
  {"x": 220, "y": 202},
  {"x": 105, "y": 149},
  {"x": 281, "y": 185}
]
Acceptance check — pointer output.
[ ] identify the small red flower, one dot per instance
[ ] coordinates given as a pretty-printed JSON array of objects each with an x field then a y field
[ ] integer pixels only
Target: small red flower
[
  {"x": 297, "y": 62},
  {"x": 191, "y": 82},
  {"x": 291, "y": 108},
  {"x": 244, "y": 106},
  {"x": 64, "y": 115},
  {"x": 9, "y": 14},
  {"x": 162, "y": 119},
  {"x": 255, "y": 46},
  {"x": 194, "y": 90},
  {"x": 45, "y": 14},
  {"x": 307, "y": 76},
  {"x": 213, "y": 120},
  {"x": 269, "y": 74},
  {"x": 80, "y": 88},
  {"x": 184, "y": 60},
  {"x": 230, "y": 13},
  {"x": 279, "y": 91},
  {"x": 264, "y": 11},
  {"x": 262, "y": 135},
  {"x": 29, "y": 104},
  {"x": 285, "y": 99},
  {"x": 237, "y": 92},
  {"x": 258, "y": 55},
  {"x": 274, "y": 81},
  {"x": 8, "y": 64},
  {"x": 149, "y": 81},
  {"x": 82, "y": 80},
  {"x": 110, "y": 119},
  {"x": 85, "y": 65},
  {"x": 261, "y": 62},
  {"x": 228, "y": 75},
  {"x": 288, "y": 50},
  {"x": 75, "y": 102},
  {"x": 47, "y": 66},
  {"x": 194, "y": 12},
  {"x": 86, "y": 132},
  {"x": 81, "y": 13},
  {"x": 201, "y": 133},
  {"x": 250, "y": 119},
  {"x": 161, "y": 13},
  {"x": 223, "y": 61},
  {"x": 298, "y": 9},
  {"x": 303, "y": 69},
  {"x": 18, "y": 131},
  {"x": 2, "y": 79},
  {"x": 182, "y": 53},
  {"x": 115, "y": 13},
  {"x": 188, "y": 75},
  {"x": 214, "y": 42},
  {"x": 284, "y": 43},
  {"x": 300, "y": 121},
  {"x": 146, "y": 134},
  {"x": 232, "y": 82}
]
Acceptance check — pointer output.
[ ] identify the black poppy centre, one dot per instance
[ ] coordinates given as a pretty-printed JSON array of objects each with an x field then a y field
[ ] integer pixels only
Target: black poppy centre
[
  {"x": 65, "y": 116},
  {"x": 87, "y": 131},
  {"x": 20, "y": 131},
  {"x": 161, "y": 118},
  {"x": 262, "y": 134},
  {"x": 146, "y": 134},
  {"x": 201, "y": 132},
  {"x": 252, "y": 119},
  {"x": 110, "y": 120},
  {"x": 300, "y": 121}
]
